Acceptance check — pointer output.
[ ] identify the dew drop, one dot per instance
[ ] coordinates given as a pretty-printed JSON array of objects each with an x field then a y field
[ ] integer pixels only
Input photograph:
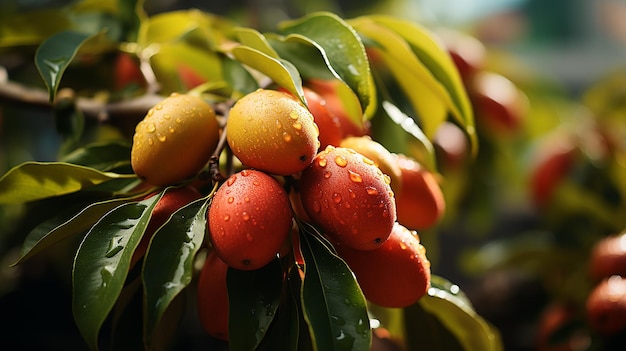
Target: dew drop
[
  {"x": 179, "y": 120},
  {"x": 245, "y": 216},
  {"x": 387, "y": 179},
  {"x": 151, "y": 113},
  {"x": 231, "y": 180},
  {"x": 230, "y": 199},
  {"x": 341, "y": 161},
  {"x": 316, "y": 206},
  {"x": 150, "y": 141},
  {"x": 287, "y": 137},
  {"x": 297, "y": 126},
  {"x": 246, "y": 199},
  {"x": 226, "y": 218},
  {"x": 337, "y": 198},
  {"x": 256, "y": 182},
  {"x": 172, "y": 130},
  {"x": 293, "y": 115},
  {"x": 352, "y": 194},
  {"x": 327, "y": 174},
  {"x": 278, "y": 124},
  {"x": 161, "y": 137},
  {"x": 158, "y": 107},
  {"x": 368, "y": 161},
  {"x": 322, "y": 162},
  {"x": 151, "y": 128},
  {"x": 371, "y": 191},
  {"x": 355, "y": 177},
  {"x": 245, "y": 172}
]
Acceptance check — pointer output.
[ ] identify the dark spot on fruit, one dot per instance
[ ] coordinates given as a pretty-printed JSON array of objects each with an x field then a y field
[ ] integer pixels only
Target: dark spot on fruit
[
  {"x": 378, "y": 241},
  {"x": 246, "y": 262},
  {"x": 303, "y": 158}
]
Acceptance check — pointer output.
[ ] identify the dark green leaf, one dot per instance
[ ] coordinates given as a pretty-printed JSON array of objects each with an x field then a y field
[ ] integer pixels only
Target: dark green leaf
[
  {"x": 51, "y": 232},
  {"x": 131, "y": 15},
  {"x": 102, "y": 262},
  {"x": 304, "y": 55},
  {"x": 453, "y": 310},
  {"x": 333, "y": 303},
  {"x": 100, "y": 156},
  {"x": 238, "y": 77},
  {"x": 253, "y": 298},
  {"x": 168, "y": 265},
  {"x": 55, "y": 54},
  {"x": 31, "y": 181},
  {"x": 343, "y": 50},
  {"x": 280, "y": 71},
  {"x": 424, "y": 331}
]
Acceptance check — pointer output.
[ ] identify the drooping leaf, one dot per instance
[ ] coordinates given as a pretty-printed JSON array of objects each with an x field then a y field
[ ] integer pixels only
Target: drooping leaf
[
  {"x": 51, "y": 232},
  {"x": 55, "y": 54},
  {"x": 102, "y": 263},
  {"x": 31, "y": 181},
  {"x": 342, "y": 49},
  {"x": 451, "y": 309},
  {"x": 280, "y": 71},
  {"x": 100, "y": 156},
  {"x": 439, "y": 63},
  {"x": 332, "y": 302},
  {"x": 168, "y": 265},
  {"x": 409, "y": 126},
  {"x": 253, "y": 298},
  {"x": 254, "y": 39}
]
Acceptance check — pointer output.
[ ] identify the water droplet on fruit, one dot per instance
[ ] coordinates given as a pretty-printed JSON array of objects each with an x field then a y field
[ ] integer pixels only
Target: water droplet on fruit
[
  {"x": 287, "y": 137},
  {"x": 158, "y": 107},
  {"x": 371, "y": 191},
  {"x": 226, "y": 218},
  {"x": 278, "y": 124},
  {"x": 322, "y": 162},
  {"x": 179, "y": 120},
  {"x": 172, "y": 130},
  {"x": 231, "y": 180},
  {"x": 352, "y": 194},
  {"x": 230, "y": 199},
  {"x": 161, "y": 137},
  {"x": 297, "y": 126},
  {"x": 341, "y": 161},
  {"x": 327, "y": 174},
  {"x": 355, "y": 177},
  {"x": 368, "y": 161},
  {"x": 293, "y": 114},
  {"x": 245, "y": 216},
  {"x": 387, "y": 179},
  {"x": 151, "y": 112},
  {"x": 246, "y": 199},
  {"x": 150, "y": 142},
  {"x": 151, "y": 128},
  {"x": 256, "y": 182},
  {"x": 337, "y": 198},
  {"x": 245, "y": 172}
]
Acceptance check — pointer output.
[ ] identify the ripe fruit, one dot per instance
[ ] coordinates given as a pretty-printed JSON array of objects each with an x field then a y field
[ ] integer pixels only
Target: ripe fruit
[
  {"x": 174, "y": 140},
  {"x": 249, "y": 219},
  {"x": 500, "y": 107},
  {"x": 212, "y": 299},
  {"x": 556, "y": 319},
  {"x": 608, "y": 257},
  {"x": 171, "y": 201},
  {"x": 126, "y": 72},
  {"x": 376, "y": 152},
  {"x": 420, "y": 203},
  {"x": 397, "y": 274},
  {"x": 270, "y": 131},
  {"x": 331, "y": 92},
  {"x": 349, "y": 197},
  {"x": 468, "y": 53},
  {"x": 606, "y": 306},
  {"x": 451, "y": 145},
  {"x": 555, "y": 162}
]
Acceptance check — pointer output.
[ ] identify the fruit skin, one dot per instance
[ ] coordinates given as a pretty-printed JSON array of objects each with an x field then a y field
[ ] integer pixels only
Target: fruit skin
[
  {"x": 171, "y": 201},
  {"x": 270, "y": 131},
  {"x": 468, "y": 54},
  {"x": 345, "y": 194},
  {"x": 174, "y": 140},
  {"x": 376, "y": 152},
  {"x": 420, "y": 203},
  {"x": 550, "y": 170},
  {"x": 212, "y": 298},
  {"x": 608, "y": 257},
  {"x": 606, "y": 306},
  {"x": 395, "y": 275},
  {"x": 126, "y": 72},
  {"x": 249, "y": 219}
]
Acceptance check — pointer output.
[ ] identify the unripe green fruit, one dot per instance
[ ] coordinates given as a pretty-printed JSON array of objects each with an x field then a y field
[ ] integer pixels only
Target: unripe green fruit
[
  {"x": 270, "y": 131},
  {"x": 174, "y": 140},
  {"x": 345, "y": 194},
  {"x": 249, "y": 219}
]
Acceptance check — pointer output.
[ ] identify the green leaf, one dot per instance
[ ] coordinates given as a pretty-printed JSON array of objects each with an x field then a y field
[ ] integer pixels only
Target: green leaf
[
  {"x": 31, "y": 181},
  {"x": 51, "y": 232},
  {"x": 168, "y": 265},
  {"x": 131, "y": 14},
  {"x": 453, "y": 310},
  {"x": 31, "y": 28},
  {"x": 102, "y": 262},
  {"x": 252, "y": 38},
  {"x": 238, "y": 77},
  {"x": 100, "y": 156},
  {"x": 304, "y": 55},
  {"x": 342, "y": 49},
  {"x": 441, "y": 66},
  {"x": 253, "y": 298},
  {"x": 332, "y": 301},
  {"x": 55, "y": 54},
  {"x": 409, "y": 126},
  {"x": 280, "y": 71}
]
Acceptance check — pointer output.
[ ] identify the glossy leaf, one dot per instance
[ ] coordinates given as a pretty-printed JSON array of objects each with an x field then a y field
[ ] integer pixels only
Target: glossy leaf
[
  {"x": 439, "y": 63},
  {"x": 304, "y": 55},
  {"x": 253, "y": 298},
  {"x": 409, "y": 126},
  {"x": 55, "y": 54},
  {"x": 238, "y": 78},
  {"x": 31, "y": 181},
  {"x": 100, "y": 156},
  {"x": 342, "y": 49},
  {"x": 252, "y": 38},
  {"x": 51, "y": 232},
  {"x": 332, "y": 301},
  {"x": 280, "y": 71},
  {"x": 31, "y": 28},
  {"x": 168, "y": 265},
  {"x": 102, "y": 262},
  {"x": 453, "y": 310}
]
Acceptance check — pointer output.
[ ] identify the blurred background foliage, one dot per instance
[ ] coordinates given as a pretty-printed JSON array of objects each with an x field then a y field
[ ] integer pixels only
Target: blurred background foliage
[{"x": 513, "y": 257}]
